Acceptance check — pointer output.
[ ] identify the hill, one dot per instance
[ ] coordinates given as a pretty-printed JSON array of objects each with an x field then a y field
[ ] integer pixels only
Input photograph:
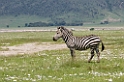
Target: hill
[{"x": 70, "y": 11}]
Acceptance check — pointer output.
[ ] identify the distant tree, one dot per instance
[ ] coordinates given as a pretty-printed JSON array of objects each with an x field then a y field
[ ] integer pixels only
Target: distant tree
[
  {"x": 57, "y": 23},
  {"x": 30, "y": 25},
  {"x": 7, "y": 26},
  {"x": 101, "y": 23},
  {"x": 50, "y": 24},
  {"x": 19, "y": 26},
  {"x": 91, "y": 29},
  {"x": 26, "y": 24},
  {"x": 106, "y": 22},
  {"x": 74, "y": 24},
  {"x": 61, "y": 23}
]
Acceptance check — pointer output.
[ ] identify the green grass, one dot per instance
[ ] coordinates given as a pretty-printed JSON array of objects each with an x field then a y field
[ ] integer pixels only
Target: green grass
[
  {"x": 57, "y": 65},
  {"x": 24, "y": 37}
]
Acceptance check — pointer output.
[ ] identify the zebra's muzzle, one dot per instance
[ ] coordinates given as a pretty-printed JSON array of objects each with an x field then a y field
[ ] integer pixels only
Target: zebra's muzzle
[{"x": 54, "y": 39}]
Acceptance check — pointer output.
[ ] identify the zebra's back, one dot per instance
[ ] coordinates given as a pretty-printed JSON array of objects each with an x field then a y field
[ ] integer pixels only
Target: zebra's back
[{"x": 83, "y": 43}]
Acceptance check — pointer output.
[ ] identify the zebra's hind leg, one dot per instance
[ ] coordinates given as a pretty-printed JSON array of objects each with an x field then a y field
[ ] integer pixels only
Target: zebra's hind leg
[
  {"x": 98, "y": 55},
  {"x": 72, "y": 53},
  {"x": 92, "y": 54}
]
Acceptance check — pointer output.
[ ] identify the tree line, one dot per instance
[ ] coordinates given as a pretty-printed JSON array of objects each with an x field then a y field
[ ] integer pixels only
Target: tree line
[{"x": 43, "y": 24}]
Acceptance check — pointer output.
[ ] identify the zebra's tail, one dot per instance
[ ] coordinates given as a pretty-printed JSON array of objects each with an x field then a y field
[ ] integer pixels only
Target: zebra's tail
[{"x": 103, "y": 47}]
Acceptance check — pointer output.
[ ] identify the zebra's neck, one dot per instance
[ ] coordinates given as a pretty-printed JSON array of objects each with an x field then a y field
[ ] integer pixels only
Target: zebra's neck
[{"x": 67, "y": 37}]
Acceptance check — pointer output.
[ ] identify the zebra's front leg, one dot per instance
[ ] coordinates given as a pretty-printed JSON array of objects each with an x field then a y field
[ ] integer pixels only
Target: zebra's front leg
[
  {"x": 92, "y": 54},
  {"x": 72, "y": 53}
]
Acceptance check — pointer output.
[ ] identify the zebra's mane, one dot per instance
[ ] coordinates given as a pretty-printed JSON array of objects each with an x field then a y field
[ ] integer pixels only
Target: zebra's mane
[
  {"x": 65, "y": 29},
  {"x": 70, "y": 32},
  {"x": 92, "y": 35}
]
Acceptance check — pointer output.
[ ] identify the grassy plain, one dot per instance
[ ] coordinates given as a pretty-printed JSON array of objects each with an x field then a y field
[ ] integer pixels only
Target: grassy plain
[
  {"x": 57, "y": 66},
  {"x": 20, "y": 20}
]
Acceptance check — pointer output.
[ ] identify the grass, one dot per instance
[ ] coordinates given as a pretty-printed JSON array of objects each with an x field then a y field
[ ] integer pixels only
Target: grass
[
  {"x": 57, "y": 65},
  {"x": 24, "y": 37}
]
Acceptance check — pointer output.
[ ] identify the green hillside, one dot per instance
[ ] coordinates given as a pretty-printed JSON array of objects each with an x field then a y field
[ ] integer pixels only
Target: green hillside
[{"x": 19, "y": 12}]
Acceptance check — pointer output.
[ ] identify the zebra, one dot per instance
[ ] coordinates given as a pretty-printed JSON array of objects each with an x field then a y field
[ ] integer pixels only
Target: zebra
[{"x": 79, "y": 43}]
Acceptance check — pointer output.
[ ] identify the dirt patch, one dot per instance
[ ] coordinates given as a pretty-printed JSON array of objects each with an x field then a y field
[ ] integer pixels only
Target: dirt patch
[{"x": 30, "y": 48}]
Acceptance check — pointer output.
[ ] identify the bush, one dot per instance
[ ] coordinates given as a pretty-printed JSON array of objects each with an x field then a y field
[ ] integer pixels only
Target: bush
[
  {"x": 7, "y": 26},
  {"x": 104, "y": 22},
  {"x": 57, "y": 23},
  {"x": 91, "y": 29}
]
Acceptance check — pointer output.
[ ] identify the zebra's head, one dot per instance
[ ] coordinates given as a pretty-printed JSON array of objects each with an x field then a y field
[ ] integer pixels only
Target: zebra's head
[{"x": 58, "y": 34}]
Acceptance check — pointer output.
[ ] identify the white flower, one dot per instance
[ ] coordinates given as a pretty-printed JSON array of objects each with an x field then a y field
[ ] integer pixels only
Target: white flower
[
  {"x": 110, "y": 80},
  {"x": 58, "y": 58},
  {"x": 29, "y": 75},
  {"x": 14, "y": 80}
]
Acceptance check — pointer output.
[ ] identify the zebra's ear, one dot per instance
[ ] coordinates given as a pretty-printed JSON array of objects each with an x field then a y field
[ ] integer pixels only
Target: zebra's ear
[
  {"x": 58, "y": 27},
  {"x": 62, "y": 27},
  {"x": 71, "y": 32}
]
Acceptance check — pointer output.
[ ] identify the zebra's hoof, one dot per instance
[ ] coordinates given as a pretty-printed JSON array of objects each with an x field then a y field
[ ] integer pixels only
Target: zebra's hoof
[{"x": 88, "y": 61}]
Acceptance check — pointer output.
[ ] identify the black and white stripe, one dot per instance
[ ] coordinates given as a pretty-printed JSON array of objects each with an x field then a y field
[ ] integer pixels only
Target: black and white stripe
[{"x": 79, "y": 43}]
